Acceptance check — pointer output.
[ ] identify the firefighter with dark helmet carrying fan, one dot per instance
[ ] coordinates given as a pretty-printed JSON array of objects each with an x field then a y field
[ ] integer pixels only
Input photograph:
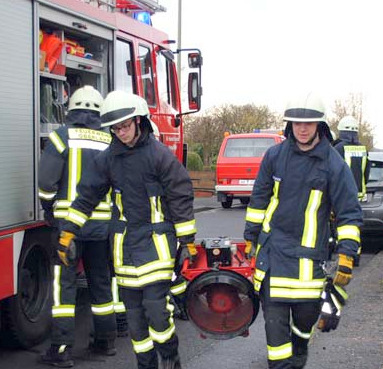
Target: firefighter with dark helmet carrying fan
[
  {"x": 287, "y": 226},
  {"x": 154, "y": 195}
]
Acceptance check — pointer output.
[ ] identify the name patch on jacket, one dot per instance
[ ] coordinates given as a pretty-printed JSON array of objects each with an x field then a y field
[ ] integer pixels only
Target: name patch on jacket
[{"x": 89, "y": 134}]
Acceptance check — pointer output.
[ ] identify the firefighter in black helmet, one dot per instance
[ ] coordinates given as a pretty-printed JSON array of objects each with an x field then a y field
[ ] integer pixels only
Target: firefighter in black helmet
[
  {"x": 65, "y": 164},
  {"x": 287, "y": 225},
  {"x": 154, "y": 196}
]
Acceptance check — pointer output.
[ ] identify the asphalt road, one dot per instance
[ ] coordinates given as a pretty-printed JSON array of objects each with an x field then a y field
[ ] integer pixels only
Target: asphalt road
[{"x": 358, "y": 349}]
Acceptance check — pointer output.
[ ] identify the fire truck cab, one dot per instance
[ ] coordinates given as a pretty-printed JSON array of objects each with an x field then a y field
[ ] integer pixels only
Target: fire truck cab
[
  {"x": 50, "y": 48},
  {"x": 238, "y": 163}
]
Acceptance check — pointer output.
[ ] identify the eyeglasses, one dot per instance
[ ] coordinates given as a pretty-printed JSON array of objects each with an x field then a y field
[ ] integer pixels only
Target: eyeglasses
[{"x": 122, "y": 126}]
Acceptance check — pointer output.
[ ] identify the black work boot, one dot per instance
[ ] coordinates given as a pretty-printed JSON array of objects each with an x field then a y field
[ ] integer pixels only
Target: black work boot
[
  {"x": 104, "y": 347},
  {"x": 172, "y": 362},
  {"x": 58, "y": 355},
  {"x": 122, "y": 325},
  {"x": 298, "y": 361}
]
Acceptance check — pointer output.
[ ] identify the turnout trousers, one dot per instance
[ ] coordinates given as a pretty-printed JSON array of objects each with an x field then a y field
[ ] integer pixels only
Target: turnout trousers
[
  {"x": 94, "y": 256},
  {"x": 289, "y": 326},
  {"x": 150, "y": 322}
]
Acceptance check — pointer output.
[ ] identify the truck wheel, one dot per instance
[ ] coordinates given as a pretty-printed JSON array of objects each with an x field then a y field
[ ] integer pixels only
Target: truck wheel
[
  {"x": 227, "y": 204},
  {"x": 245, "y": 200},
  {"x": 26, "y": 317}
]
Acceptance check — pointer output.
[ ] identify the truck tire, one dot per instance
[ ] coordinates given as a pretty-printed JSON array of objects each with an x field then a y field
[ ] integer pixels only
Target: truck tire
[
  {"x": 227, "y": 203},
  {"x": 26, "y": 317}
]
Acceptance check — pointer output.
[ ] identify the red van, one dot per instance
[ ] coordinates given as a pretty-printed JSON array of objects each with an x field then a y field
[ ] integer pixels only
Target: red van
[{"x": 238, "y": 163}]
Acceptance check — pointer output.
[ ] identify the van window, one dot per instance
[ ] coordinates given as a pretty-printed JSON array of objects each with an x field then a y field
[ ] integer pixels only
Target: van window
[{"x": 247, "y": 147}]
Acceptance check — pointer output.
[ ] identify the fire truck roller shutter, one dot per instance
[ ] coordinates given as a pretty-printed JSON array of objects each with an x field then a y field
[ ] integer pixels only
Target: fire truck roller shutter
[{"x": 222, "y": 304}]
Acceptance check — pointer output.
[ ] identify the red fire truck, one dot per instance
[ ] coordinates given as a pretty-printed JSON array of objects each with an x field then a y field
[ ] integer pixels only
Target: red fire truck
[{"x": 49, "y": 49}]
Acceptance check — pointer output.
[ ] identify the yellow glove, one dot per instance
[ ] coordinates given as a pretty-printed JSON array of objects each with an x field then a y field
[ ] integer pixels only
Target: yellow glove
[
  {"x": 66, "y": 247},
  {"x": 343, "y": 274},
  {"x": 192, "y": 249},
  {"x": 249, "y": 249}
]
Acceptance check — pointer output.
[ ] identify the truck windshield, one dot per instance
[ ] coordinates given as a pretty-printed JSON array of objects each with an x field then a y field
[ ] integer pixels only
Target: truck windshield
[{"x": 247, "y": 147}]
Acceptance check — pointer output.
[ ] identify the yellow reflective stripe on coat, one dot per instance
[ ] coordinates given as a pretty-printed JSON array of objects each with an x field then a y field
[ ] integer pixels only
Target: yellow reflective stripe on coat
[
  {"x": 74, "y": 172},
  {"x": 118, "y": 251},
  {"x": 185, "y": 228},
  {"x": 76, "y": 217},
  {"x": 258, "y": 277},
  {"x": 364, "y": 165},
  {"x": 119, "y": 206},
  {"x": 162, "y": 246},
  {"x": 280, "y": 352},
  {"x": 144, "y": 280},
  {"x": 311, "y": 219},
  {"x": 57, "y": 142},
  {"x": 296, "y": 288},
  {"x": 144, "y": 345},
  {"x": 255, "y": 215},
  {"x": 348, "y": 232},
  {"x": 157, "y": 215},
  {"x": 103, "y": 309},
  {"x": 65, "y": 204},
  {"x": 274, "y": 201},
  {"x": 306, "y": 269},
  {"x": 162, "y": 337},
  {"x": 144, "y": 269},
  {"x": 44, "y": 195},
  {"x": 96, "y": 215}
]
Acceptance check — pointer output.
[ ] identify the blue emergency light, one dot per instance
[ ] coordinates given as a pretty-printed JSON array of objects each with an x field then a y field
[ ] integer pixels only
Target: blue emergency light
[{"x": 143, "y": 17}]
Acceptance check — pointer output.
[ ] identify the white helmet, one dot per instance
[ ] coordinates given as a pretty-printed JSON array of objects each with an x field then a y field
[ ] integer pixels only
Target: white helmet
[
  {"x": 306, "y": 108},
  {"x": 120, "y": 105},
  {"x": 348, "y": 123},
  {"x": 86, "y": 97}
]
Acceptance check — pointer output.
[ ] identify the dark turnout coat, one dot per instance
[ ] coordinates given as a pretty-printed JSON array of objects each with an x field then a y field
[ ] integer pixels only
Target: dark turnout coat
[
  {"x": 288, "y": 217},
  {"x": 153, "y": 198}
]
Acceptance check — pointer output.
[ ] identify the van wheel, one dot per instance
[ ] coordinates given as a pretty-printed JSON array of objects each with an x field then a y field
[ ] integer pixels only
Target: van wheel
[
  {"x": 26, "y": 317},
  {"x": 245, "y": 200},
  {"x": 227, "y": 204}
]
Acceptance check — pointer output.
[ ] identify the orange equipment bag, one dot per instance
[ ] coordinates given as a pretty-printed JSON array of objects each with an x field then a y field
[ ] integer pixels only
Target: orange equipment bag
[{"x": 52, "y": 46}]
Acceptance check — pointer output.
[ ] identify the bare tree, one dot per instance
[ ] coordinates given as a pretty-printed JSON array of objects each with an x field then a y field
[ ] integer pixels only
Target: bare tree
[{"x": 208, "y": 129}]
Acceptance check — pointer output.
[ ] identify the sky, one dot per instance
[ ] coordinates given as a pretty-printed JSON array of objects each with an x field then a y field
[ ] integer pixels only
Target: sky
[{"x": 265, "y": 51}]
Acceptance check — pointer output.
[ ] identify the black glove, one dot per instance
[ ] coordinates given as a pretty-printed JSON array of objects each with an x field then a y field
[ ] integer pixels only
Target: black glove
[{"x": 333, "y": 300}]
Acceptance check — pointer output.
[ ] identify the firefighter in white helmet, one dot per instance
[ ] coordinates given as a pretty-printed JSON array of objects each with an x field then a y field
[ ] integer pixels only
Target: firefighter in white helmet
[
  {"x": 287, "y": 225},
  {"x": 65, "y": 163},
  {"x": 154, "y": 196},
  {"x": 355, "y": 154}
]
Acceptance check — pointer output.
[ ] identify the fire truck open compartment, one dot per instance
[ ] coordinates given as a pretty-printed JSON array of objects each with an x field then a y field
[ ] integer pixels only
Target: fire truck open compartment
[{"x": 87, "y": 42}]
